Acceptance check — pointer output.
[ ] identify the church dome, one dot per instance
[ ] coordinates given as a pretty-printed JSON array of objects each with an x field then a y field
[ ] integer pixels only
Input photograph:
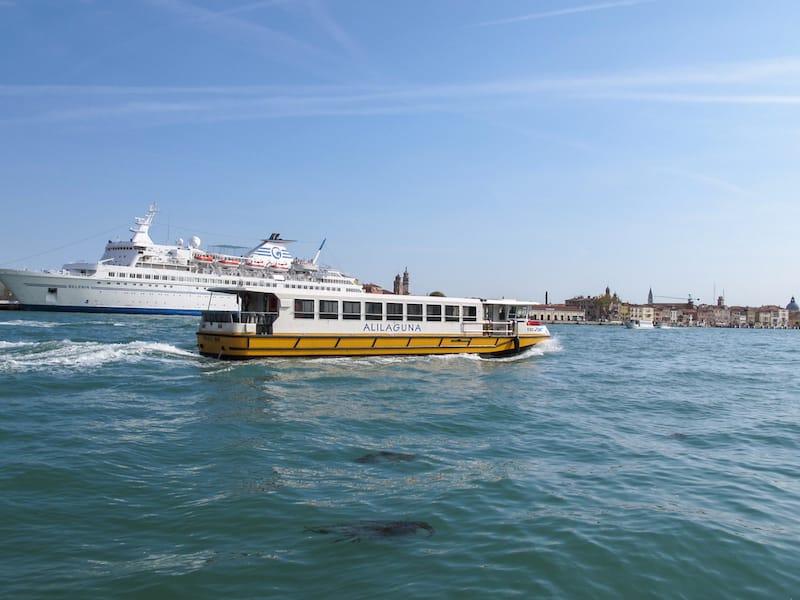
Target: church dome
[{"x": 792, "y": 305}]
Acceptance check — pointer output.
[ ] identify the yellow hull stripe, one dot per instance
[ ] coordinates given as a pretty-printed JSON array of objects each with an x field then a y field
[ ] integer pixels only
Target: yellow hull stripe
[{"x": 250, "y": 346}]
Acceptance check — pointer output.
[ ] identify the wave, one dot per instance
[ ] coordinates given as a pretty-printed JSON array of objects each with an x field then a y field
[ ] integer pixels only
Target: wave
[
  {"x": 52, "y": 324},
  {"x": 355, "y": 363},
  {"x": 70, "y": 355},
  {"x": 27, "y": 323}
]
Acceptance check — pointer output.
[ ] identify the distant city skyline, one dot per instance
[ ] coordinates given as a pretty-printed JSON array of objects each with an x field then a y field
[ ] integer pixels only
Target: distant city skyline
[{"x": 495, "y": 149}]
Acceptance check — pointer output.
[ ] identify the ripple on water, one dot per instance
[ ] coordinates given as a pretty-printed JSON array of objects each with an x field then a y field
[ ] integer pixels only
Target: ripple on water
[{"x": 605, "y": 463}]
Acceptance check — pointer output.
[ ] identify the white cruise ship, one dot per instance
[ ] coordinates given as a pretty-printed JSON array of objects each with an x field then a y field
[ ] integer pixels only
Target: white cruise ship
[{"x": 140, "y": 276}]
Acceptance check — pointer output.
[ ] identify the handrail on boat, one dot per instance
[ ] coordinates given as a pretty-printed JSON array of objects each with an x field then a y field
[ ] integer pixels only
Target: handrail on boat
[
  {"x": 226, "y": 316},
  {"x": 487, "y": 328}
]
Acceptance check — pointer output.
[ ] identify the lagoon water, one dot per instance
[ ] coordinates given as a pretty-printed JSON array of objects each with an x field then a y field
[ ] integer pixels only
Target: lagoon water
[{"x": 608, "y": 463}]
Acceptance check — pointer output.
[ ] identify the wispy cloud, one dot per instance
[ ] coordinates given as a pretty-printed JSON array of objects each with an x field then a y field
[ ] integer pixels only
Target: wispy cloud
[
  {"x": 337, "y": 33},
  {"x": 705, "y": 179},
  {"x": 769, "y": 82},
  {"x": 564, "y": 12},
  {"x": 755, "y": 99},
  {"x": 273, "y": 43},
  {"x": 326, "y": 62}
]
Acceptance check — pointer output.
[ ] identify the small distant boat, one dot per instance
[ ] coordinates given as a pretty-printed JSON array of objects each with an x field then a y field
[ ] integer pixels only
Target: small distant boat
[
  {"x": 662, "y": 325},
  {"x": 639, "y": 324}
]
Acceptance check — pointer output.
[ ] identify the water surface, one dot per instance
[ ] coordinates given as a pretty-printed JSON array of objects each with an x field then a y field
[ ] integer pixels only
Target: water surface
[{"x": 606, "y": 463}]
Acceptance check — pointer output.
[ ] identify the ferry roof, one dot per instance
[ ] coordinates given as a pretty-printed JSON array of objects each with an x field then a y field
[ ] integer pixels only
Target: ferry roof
[{"x": 387, "y": 297}]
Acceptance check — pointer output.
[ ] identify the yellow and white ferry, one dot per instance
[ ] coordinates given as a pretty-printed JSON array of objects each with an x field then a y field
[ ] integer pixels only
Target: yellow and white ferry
[{"x": 282, "y": 319}]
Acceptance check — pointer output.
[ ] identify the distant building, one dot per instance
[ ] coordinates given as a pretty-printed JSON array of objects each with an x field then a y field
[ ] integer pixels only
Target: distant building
[
  {"x": 772, "y": 317},
  {"x": 374, "y": 288},
  {"x": 794, "y": 314},
  {"x": 598, "y": 308},
  {"x": 558, "y": 313},
  {"x": 638, "y": 312},
  {"x": 402, "y": 285},
  {"x": 714, "y": 316},
  {"x": 738, "y": 316}
]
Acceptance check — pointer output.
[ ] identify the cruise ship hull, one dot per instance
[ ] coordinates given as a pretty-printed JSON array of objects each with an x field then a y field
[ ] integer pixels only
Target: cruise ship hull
[
  {"x": 101, "y": 294},
  {"x": 142, "y": 277}
]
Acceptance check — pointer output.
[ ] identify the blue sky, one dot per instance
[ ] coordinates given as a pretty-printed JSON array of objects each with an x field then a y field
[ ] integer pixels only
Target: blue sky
[{"x": 502, "y": 148}]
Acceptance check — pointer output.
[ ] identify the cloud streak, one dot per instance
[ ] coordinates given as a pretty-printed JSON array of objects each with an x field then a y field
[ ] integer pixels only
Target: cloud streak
[
  {"x": 564, "y": 12},
  {"x": 707, "y": 180},
  {"x": 270, "y": 42},
  {"x": 766, "y": 83}
]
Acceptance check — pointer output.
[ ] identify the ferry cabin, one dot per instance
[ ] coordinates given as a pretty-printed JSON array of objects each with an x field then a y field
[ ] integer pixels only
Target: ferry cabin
[{"x": 317, "y": 322}]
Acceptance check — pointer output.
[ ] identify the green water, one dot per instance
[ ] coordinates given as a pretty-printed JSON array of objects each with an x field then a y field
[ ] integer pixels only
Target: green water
[{"x": 609, "y": 463}]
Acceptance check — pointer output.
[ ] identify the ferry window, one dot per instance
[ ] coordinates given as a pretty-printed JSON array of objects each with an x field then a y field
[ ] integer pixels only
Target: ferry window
[
  {"x": 470, "y": 313},
  {"x": 452, "y": 312},
  {"x": 374, "y": 311},
  {"x": 394, "y": 311},
  {"x": 414, "y": 312},
  {"x": 303, "y": 309},
  {"x": 111, "y": 274},
  {"x": 433, "y": 312},
  {"x": 351, "y": 310},
  {"x": 519, "y": 312},
  {"x": 328, "y": 309}
]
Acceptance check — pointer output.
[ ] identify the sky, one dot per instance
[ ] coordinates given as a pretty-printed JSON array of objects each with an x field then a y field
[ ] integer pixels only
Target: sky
[{"x": 502, "y": 148}]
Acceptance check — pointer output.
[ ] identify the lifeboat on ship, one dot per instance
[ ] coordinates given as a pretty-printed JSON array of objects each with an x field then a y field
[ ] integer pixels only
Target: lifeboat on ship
[
  {"x": 204, "y": 258},
  {"x": 228, "y": 262},
  {"x": 255, "y": 263}
]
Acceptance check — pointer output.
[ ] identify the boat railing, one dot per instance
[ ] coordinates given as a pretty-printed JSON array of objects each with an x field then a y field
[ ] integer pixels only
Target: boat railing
[
  {"x": 247, "y": 318},
  {"x": 490, "y": 328},
  {"x": 265, "y": 319}
]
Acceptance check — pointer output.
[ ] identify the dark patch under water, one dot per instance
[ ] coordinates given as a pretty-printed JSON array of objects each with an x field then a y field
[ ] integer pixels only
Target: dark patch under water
[
  {"x": 355, "y": 532},
  {"x": 385, "y": 456}
]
